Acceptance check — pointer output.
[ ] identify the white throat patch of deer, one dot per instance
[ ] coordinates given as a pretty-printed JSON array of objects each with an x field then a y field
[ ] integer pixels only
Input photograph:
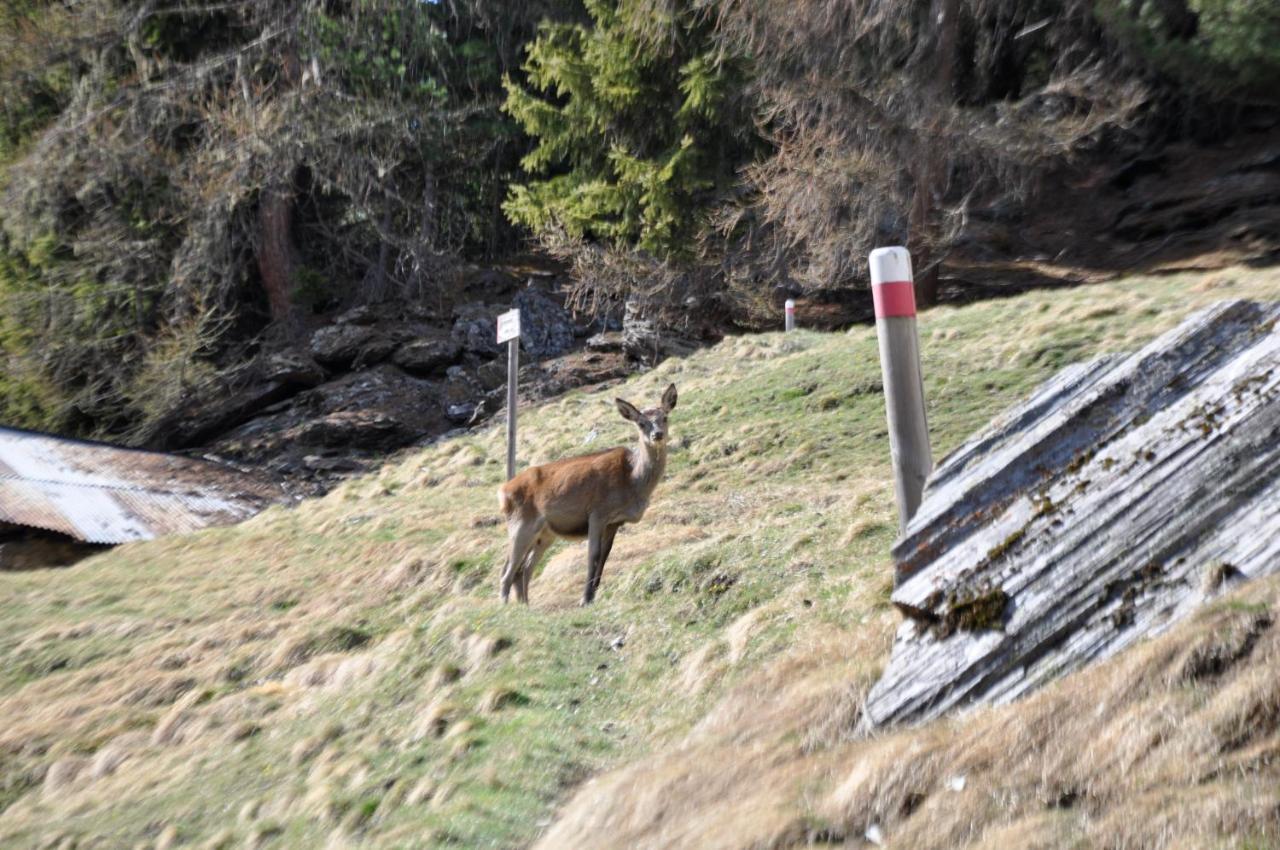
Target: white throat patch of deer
[{"x": 586, "y": 497}]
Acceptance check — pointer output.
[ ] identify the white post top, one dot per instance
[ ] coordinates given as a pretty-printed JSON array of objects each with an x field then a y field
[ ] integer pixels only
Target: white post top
[
  {"x": 889, "y": 265},
  {"x": 790, "y": 305}
]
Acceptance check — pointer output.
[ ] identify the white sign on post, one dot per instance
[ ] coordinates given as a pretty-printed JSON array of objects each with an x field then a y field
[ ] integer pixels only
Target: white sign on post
[
  {"x": 508, "y": 326},
  {"x": 509, "y": 332}
]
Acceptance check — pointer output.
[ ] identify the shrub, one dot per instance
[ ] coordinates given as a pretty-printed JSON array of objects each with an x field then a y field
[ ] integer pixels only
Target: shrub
[{"x": 1217, "y": 47}]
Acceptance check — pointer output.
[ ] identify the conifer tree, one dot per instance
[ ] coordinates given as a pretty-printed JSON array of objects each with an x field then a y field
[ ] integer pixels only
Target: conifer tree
[{"x": 640, "y": 123}]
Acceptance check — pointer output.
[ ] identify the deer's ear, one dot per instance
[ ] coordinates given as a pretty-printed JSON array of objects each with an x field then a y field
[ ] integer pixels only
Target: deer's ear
[
  {"x": 628, "y": 410},
  {"x": 669, "y": 399}
]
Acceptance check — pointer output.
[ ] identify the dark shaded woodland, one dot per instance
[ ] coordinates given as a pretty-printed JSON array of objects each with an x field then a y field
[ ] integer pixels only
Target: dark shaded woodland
[{"x": 190, "y": 187}]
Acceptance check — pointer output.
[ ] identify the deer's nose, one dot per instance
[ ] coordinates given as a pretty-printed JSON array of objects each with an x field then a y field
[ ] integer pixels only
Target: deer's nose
[{"x": 658, "y": 434}]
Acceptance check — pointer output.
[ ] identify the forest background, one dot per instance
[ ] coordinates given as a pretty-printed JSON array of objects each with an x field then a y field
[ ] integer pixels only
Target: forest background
[{"x": 184, "y": 185}]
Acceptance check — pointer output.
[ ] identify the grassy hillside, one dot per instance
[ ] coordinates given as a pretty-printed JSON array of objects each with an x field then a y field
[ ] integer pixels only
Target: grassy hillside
[{"x": 342, "y": 674}]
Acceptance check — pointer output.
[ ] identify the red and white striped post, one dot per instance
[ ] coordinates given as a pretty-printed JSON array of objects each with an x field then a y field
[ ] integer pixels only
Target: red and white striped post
[
  {"x": 893, "y": 290},
  {"x": 789, "y": 310}
]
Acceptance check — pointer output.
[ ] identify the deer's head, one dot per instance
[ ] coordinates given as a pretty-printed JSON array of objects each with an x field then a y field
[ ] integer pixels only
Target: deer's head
[{"x": 652, "y": 423}]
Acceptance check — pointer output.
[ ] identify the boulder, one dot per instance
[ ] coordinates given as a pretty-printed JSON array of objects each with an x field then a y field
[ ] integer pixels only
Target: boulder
[
  {"x": 639, "y": 334},
  {"x": 462, "y": 387},
  {"x": 646, "y": 340},
  {"x": 292, "y": 367},
  {"x": 545, "y": 328},
  {"x": 475, "y": 329},
  {"x": 371, "y": 410},
  {"x": 428, "y": 355},
  {"x": 344, "y": 345},
  {"x": 492, "y": 375},
  {"x": 1124, "y": 493},
  {"x": 579, "y": 368},
  {"x": 461, "y": 413},
  {"x": 332, "y": 463},
  {"x": 605, "y": 342},
  {"x": 359, "y": 315},
  {"x": 354, "y": 429},
  {"x": 201, "y": 418}
]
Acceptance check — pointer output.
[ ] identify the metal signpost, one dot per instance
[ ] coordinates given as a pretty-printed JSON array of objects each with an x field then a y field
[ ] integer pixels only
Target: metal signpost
[
  {"x": 509, "y": 332},
  {"x": 893, "y": 290}
]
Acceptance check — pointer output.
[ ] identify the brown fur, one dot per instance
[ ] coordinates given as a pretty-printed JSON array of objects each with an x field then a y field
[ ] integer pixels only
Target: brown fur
[
  {"x": 586, "y": 497},
  {"x": 567, "y": 486}
]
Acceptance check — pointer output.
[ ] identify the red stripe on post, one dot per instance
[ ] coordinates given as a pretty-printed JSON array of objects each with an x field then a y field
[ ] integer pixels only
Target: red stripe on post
[{"x": 894, "y": 298}]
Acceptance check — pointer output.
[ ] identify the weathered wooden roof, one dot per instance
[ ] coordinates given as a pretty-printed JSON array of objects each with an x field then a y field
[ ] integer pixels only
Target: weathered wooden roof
[
  {"x": 104, "y": 494},
  {"x": 1122, "y": 494}
]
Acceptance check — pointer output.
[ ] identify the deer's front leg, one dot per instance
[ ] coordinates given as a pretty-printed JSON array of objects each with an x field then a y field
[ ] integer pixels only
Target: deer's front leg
[
  {"x": 595, "y": 547},
  {"x": 606, "y": 546}
]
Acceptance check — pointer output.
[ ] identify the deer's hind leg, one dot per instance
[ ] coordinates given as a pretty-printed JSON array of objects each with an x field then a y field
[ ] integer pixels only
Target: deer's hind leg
[
  {"x": 521, "y": 536},
  {"x": 540, "y": 546}
]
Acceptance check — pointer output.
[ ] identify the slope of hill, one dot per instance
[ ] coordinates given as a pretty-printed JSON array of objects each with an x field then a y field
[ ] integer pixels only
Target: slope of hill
[{"x": 342, "y": 674}]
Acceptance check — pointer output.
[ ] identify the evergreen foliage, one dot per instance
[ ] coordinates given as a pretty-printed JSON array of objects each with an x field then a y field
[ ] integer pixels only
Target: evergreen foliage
[
  {"x": 1220, "y": 48},
  {"x": 639, "y": 122}
]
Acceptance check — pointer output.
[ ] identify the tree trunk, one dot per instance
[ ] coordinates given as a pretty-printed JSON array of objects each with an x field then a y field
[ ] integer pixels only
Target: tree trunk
[
  {"x": 277, "y": 256},
  {"x": 428, "y": 237},
  {"x": 429, "y": 226},
  {"x": 375, "y": 279},
  {"x": 921, "y": 227},
  {"x": 931, "y": 170}
]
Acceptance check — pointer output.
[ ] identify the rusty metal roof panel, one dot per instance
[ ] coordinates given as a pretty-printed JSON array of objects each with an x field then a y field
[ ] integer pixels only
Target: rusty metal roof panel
[{"x": 106, "y": 494}]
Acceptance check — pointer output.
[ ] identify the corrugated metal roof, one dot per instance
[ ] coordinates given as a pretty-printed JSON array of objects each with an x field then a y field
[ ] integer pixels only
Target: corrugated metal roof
[{"x": 105, "y": 494}]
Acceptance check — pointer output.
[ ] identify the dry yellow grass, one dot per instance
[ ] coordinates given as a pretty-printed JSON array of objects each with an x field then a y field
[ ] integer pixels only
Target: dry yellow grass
[
  {"x": 1174, "y": 744},
  {"x": 341, "y": 673}
]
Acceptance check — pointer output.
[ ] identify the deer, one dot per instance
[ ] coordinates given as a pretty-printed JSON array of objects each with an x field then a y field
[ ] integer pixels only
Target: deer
[{"x": 585, "y": 497}]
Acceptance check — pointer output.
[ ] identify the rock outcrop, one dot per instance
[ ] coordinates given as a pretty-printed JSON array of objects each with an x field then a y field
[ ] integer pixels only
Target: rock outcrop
[
  {"x": 428, "y": 355},
  {"x": 374, "y": 409},
  {"x": 547, "y": 330},
  {"x": 374, "y": 379},
  {"x": 1125, "y": 492},
  {"x": 343, "y": 345}
]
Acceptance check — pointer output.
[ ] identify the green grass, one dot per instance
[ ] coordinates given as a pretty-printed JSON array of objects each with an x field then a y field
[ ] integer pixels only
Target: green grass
[{"x": 472, "y": 721}]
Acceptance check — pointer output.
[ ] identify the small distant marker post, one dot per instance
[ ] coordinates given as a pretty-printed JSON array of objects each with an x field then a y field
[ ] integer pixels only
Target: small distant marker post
[
  {"x": 893, "y": 291},
  {"x": 509, "y": 332},
  {"x": 790, "y": 311}
]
